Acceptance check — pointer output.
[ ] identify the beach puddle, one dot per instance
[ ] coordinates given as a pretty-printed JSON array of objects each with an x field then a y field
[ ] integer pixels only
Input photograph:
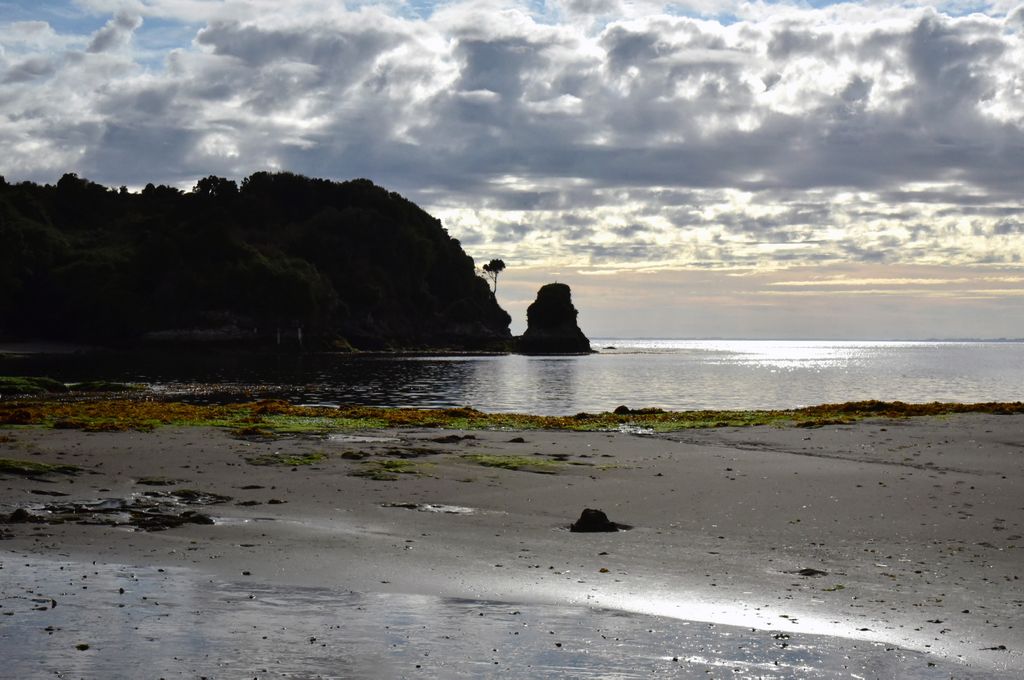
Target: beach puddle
[
  {"x": 433, "y": 507},
  {"x": 241, "y": 521},
  {"x": 635, "y": 429},
  {"x": 62, "y": 619}
]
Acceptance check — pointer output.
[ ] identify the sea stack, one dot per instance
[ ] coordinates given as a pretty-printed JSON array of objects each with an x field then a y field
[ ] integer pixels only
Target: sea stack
[{"x": 551, "y": 324}]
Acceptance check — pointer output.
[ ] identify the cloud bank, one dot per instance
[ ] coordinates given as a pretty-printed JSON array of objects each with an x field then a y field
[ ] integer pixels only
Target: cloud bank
[{"x": 596, "y": 134}]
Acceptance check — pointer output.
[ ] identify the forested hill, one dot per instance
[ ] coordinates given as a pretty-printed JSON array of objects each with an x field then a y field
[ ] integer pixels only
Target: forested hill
[{"x": 347, "y": 262}]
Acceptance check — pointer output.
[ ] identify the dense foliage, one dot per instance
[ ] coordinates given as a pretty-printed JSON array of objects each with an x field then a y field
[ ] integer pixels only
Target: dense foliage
[{"x": 347, "y": 262}]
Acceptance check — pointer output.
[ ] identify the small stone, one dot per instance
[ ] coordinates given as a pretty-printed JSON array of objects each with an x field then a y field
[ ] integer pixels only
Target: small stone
[{"x": 20, "y": 516}]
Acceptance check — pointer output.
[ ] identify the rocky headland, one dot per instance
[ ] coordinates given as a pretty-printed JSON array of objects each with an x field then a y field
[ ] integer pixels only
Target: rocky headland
[{"x": 277, "y": 261}]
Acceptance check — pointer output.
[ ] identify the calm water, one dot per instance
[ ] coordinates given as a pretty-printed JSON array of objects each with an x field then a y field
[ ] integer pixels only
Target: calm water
[{"x": 673, "y": 374}]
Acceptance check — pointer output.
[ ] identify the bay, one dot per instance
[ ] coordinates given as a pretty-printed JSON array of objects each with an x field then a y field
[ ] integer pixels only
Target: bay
[{"x": 670, "y": 374}]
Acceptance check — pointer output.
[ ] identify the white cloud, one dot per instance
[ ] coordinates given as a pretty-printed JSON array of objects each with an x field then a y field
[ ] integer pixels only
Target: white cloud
[
  {"x": 116, "y": 34},
  {"x": 595, "y": 134}
]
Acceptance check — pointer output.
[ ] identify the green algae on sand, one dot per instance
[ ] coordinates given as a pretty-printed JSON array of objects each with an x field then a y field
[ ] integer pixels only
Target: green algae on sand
[
  {"x": 387, "y": 470},
  {"x": 287, "y": 460},
  {"x": 32, "y": 468},
  {"x": 41, "y": 385},
  {"x": 509, "y": 462},
  {"x": 17, "y": 385},
  {"x": 276, "y": 417}
]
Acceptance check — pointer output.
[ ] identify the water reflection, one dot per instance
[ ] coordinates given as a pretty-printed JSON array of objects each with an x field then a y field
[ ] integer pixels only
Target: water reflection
[
  {"x": 175, "y": 622},
  {"x": 668, "y": 374}
]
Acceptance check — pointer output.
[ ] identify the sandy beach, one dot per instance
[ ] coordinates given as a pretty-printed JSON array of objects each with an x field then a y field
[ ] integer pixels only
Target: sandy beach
[{"x": 908, "y": 534}]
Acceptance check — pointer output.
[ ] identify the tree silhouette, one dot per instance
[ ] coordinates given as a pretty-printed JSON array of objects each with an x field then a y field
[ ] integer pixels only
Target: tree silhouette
[
  {"x": 492, "y": 269},
  {"x": 216, "y": 187}
]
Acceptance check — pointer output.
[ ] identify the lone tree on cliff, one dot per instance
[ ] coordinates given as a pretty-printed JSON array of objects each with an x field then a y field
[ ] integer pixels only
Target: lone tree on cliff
[{"x": 492, "y": 269}]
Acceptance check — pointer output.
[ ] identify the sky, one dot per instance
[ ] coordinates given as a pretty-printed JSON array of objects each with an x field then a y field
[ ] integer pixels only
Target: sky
[{"x": 702, "y": 168}]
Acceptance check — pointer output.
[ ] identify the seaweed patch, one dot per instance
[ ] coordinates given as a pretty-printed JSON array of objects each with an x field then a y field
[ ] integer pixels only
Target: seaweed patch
[
  {"x": 539, "y": 465},
  {"x": 387, "y": 470},
  {"x": 287, "y": 460},
  {"x": 275, "y": 417},
  {"x": 32, "y": 468}
]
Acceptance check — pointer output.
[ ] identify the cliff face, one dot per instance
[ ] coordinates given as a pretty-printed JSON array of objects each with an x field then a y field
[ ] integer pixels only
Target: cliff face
[
  {"x": 346, "y": 262},
  {"x": 551, "y": 324}
]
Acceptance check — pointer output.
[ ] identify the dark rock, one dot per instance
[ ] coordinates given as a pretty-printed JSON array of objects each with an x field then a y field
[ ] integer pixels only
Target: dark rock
[
  {"x": 809, "y": 571},
  {"x": 158, "y": 521},
  {"x": 592, "y": 520},
  {"x": 551, "y": 324},
  {"x": 194, "y": 497},
  {"x": 452, "y": 438},
  {"x": 157, "y": 481},
  {"x": 150, "y": 511},
  {"x": 192, "y": 517},
  {"x": 647, "y": 411},
  {"x": 21, "y": 516}
]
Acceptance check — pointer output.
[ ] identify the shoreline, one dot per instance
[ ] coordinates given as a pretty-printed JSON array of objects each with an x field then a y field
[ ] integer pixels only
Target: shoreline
[
  {"x": 106, "y": 406},
  {"x": 913, "y": 521}
]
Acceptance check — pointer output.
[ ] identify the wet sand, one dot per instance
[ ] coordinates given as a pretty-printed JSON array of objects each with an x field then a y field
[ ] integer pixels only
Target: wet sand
[{"x": 916, "y": 524}]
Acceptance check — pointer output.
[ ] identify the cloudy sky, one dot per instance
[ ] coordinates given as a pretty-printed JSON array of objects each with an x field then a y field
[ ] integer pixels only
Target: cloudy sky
[{"x": 694, "y": 169}]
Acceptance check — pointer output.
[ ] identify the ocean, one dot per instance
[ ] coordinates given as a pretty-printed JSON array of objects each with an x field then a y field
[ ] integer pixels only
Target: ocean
[{"x": 670, "y": 374}]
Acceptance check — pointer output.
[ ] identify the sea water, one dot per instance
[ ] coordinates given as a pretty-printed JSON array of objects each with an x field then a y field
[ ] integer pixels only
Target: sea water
[{"x": 670, "y": 374}]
